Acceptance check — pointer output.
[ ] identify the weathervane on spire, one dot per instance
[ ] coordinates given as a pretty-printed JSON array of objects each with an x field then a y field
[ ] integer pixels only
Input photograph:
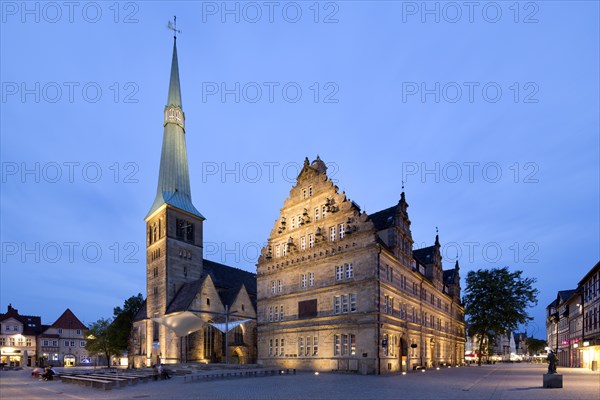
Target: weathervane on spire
[
  {"x": 173, "y": 26},
  {"x": 403, "y": 185}
]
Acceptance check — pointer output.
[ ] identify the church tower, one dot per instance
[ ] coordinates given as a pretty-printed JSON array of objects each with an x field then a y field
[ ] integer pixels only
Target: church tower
[{"x": 173, "y": 226}]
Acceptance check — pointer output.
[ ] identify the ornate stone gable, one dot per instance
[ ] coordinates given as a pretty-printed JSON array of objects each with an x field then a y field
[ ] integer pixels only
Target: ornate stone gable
[{"x": 315, "y": 221}]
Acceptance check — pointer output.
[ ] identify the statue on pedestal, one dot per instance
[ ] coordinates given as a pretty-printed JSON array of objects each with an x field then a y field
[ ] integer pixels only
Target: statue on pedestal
[{"x": 551, "y": 362}]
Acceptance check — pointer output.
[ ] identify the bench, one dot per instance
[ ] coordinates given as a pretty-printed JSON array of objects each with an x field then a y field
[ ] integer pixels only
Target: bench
[
  {"x": 91, "y": 382},
  {"x": 120, "y": 381},
  {"x": 206, "y": 375}
]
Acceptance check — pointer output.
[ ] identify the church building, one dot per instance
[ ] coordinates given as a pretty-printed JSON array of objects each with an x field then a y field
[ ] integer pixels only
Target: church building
[
  {"x": 343, "y": 290},
  {"x": 195, "y": 310}
]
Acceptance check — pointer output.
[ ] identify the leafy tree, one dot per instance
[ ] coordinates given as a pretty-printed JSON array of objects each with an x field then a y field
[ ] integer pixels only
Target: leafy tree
[
  {"x": 535, "y": 346},
  {"x": 496, "y": 302},
  {"x": 101, "y": 341},
  {"x": 110, "y": 337}
]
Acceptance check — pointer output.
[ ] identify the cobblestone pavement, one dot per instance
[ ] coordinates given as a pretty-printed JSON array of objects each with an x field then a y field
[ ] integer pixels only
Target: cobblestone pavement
[{"x": 493, "y": 382}]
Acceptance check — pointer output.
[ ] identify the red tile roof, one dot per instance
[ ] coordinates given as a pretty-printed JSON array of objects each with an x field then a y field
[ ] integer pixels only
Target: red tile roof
[{"x": 68, "y": 320}]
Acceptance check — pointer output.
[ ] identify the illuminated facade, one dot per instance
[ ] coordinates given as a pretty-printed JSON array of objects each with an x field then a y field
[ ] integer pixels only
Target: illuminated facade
[
  {"x": 573, "y": 323},
  {"x": 185, "y": 294},
  {"x": 18, "y": 335},
  {"x": 342, "y": 290}
]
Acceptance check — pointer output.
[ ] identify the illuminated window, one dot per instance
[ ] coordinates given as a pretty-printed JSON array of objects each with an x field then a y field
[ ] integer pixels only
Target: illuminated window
[{"x": 352, "y": 344}]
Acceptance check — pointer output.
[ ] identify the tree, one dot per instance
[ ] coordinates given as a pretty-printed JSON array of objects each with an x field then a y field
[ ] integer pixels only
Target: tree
[
  {"x": 111, "y": 337},
  {"x": 496, "y": 302},
  {"x": 535, "y": 346},
  {"x": 101, "y": 340}
]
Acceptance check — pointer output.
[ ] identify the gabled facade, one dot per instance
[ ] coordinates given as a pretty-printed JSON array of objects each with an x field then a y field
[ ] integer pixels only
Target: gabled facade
[
  {"x": 182, "y": 288},
  {"x": 339, "y": 289},
  {"x": 18, "y": 335},
  {"x": 63, "y": 342}
]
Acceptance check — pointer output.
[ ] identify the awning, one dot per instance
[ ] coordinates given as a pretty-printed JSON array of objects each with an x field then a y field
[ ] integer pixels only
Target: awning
[
  {"x": 182, "y": 323},
  {"x": 186, "y": 322},
  {"x": 232, "y": 324}
]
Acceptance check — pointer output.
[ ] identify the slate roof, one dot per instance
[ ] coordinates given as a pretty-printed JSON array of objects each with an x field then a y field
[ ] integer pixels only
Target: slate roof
[
  {"x": 185, "y": 295},
  {"x": 449, "y": 276},
  {"x": 32, "y": 324},
  {"x": 142, "y": 312},
  {"x": 227, "y": 280},
  {"x": 425, "y": 255},
  {"x": 564, "y": 295},
  {"x": 384, "y": 219},
  {"x": 68, "y": 320}
]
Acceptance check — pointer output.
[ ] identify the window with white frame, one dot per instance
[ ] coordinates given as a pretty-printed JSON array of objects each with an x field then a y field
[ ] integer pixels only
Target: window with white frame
[
  {"x": 336, "y": 345},
  {"x": 385, "y": 348},
  {"x": 304, "y": 193},
  {"x": 339, "y": 272},
  {"x": 316, "y": 214},
  {"x": 270, "y": 347},
  {"x": 303, "y": 243},
  {"x": 78, "y": 331},
  {"x": 281, "y": 313},
  {"x": 60, "y": 331},
  {"x": 300, "y": 346},
  {"x": 324, "y": 210},
  {"x": 344, "y": 304},
  {"x": 55, "y": 343},
  {"x": 300, "y": 222},
  {"x": 315, "y": 346},
  {"x": 273, "y": 287},
  {"x": 277, "y": 251},
  {"x": 276, "y": 313},
  {"x": 332, "y": 233},
  {"x": 44, "y": 342},
  {"x": 279, "y": 286},
  {"x": 341, "y": 230},
  {"x": 349, "y": 270},
  {"x": 352, "y": 344},
  {"x": 308, "y": 346},
  {"x": 281, "y": 347},
  {"x": 386, "y": 300},
  {"x": 311, "y": 279},
  {"x": 82, "y": 343},
  {"x": 276, "y": 347},
  {"x": 336, "y": 305},
  {"x": 72, "y": 343},
  {"x": 271, "y": 314},
  {"x": 66, "y": 343},
  {"x": 303, "y": 280},
  {"x": 344, "y": 344},
  {"x": 284, "y": 249},
  {"x": 352, "y": 297},
  {"x": 311, "y": 241}
]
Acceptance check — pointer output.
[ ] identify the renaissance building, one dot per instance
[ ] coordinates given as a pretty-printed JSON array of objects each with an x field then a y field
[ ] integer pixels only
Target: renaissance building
[
  {"x": 190, "y": 302},
  {"x": 339, "y": 289}
]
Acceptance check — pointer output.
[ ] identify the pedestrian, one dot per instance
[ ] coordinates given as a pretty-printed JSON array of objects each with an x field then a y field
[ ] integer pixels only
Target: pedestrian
[{"x": 164, "y": 374}]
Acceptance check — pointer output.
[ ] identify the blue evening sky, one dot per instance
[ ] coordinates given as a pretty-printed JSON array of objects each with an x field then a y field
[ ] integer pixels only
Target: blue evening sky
[{"x": 489, "y": 112}]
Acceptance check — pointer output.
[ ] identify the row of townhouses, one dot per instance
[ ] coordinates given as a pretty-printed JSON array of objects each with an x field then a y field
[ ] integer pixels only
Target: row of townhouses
[
  {"x": 573, "y": 323},
  {"x": 25, "y": 341}
]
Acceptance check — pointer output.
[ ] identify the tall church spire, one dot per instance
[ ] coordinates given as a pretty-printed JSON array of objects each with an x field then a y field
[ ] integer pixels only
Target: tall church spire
[{"x": 173, "y": 178}]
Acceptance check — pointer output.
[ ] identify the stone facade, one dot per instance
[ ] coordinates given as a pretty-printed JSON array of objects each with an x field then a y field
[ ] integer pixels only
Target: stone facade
[
  {"x": 342, "y": 290},
  {"x": 183, "y": 289}
]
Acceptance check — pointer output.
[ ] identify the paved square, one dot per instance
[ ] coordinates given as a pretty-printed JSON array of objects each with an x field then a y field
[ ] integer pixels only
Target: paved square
[{"x": 493, "y": 382}]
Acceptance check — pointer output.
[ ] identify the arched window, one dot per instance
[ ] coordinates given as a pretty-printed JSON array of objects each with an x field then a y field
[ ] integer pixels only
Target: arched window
[
  {"x": 154, "y": 233},
  {"x": 209, "y": 342},
  {"x": 238, "y": 335}
]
